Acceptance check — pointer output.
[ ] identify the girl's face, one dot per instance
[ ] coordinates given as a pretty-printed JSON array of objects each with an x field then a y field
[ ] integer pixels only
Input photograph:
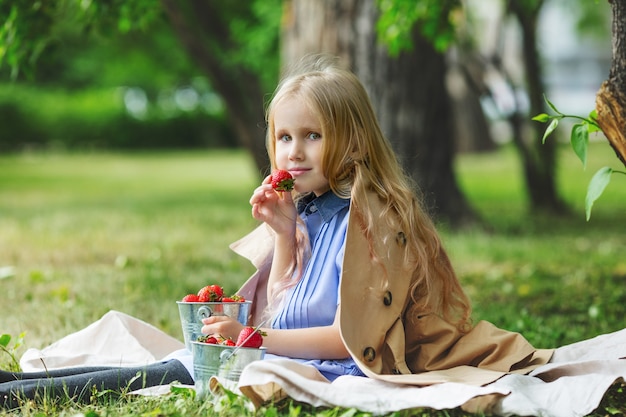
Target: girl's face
[{"x": 298, "y": 137}]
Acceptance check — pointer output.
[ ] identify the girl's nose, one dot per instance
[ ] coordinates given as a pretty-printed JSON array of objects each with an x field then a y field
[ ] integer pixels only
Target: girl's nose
[{"x": 295, "y": 153}]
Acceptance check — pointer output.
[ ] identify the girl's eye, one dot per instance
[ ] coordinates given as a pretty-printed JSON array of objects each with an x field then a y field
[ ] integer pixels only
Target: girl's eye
[
  {"x": 314, "y": 136},
  {"x": 284, "y": 138}
]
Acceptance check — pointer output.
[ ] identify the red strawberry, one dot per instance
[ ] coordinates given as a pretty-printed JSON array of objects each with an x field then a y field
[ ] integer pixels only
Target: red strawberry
[
  {"x": 191, "y": 298},
  {"x": 228, "y": 342},
  {"x": 210, "y": 293},
  {"x": 227, "y": 300},
  {"x": 282, "y": 180},
  {"x": 212, "y": 340},
  {"x": 255, "y": 341}
]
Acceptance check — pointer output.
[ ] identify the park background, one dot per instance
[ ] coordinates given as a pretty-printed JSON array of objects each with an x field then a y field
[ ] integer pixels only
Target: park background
[{"x": 124, "y": 173}]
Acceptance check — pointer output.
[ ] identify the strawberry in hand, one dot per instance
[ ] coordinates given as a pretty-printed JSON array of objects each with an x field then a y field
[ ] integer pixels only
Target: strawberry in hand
[{"x": 282, "y": 180}]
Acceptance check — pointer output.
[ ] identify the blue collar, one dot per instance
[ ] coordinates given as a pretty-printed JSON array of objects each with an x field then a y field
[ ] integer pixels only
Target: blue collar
[{"x": 328, "y": 204}]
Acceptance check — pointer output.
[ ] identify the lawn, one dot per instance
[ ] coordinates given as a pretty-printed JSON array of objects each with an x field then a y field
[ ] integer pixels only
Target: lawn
[{"x": 81, "y": 234}]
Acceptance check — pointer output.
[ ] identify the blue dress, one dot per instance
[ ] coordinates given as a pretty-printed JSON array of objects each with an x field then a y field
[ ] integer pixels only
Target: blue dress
[{"x": 313, "y": 300}]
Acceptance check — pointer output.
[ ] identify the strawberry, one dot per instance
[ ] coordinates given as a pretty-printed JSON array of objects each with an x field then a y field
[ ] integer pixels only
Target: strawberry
[
  {"x": 191, "y": 298},
  {"x": 255, "y": 341},
  {"x": 227, "y": 342},
  {"x": 210, "y": 293},
  {"x": 282, "y": 180},
  {"x": 210, "y": 339},
  {"x": 233, "y": 299}
]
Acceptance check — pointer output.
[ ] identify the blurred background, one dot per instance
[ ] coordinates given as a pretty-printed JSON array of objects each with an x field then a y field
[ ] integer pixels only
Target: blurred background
[{"x": 446, "y": 77}]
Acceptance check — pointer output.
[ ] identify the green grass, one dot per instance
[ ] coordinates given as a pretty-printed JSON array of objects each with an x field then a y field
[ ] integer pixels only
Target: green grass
[{"x": 87, "y": 233}]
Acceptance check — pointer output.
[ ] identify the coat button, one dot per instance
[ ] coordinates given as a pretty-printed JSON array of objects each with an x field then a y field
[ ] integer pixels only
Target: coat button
[
  {"x": 369, "y": 354},
  {"x": 401, "y": 239},
  {"x": 387, "y": 298}
]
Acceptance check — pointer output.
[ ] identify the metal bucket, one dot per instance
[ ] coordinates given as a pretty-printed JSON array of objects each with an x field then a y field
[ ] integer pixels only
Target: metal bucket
[
  {"x": 222, "y": 361},
  {"x": 191, "y": 315}
]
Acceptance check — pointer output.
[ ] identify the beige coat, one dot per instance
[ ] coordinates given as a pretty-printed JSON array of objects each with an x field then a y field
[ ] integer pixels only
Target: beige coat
[{"x": 386, "y": 338}]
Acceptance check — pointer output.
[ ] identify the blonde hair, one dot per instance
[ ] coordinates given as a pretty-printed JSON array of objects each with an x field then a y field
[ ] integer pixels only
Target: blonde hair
[{"x": 357, "y": 158}]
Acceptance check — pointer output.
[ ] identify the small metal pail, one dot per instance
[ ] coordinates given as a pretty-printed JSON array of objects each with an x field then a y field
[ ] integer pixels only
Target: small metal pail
[
  {"x": 191, "y": 315},
  {"x": 221, "y": 361}
]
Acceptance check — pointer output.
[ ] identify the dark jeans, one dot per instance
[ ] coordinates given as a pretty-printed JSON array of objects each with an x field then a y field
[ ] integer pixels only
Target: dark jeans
[{"x": 77, "y": 383}]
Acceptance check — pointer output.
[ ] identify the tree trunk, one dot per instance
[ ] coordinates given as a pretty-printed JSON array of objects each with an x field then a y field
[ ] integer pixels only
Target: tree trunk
[
  {"x": 539, "y": 160},
  {"x": 611, "y": 98},
  {"x": 206, "y": 37},
  {"x": 408, "y": 92},
  {"x": 466, "y": 85}
]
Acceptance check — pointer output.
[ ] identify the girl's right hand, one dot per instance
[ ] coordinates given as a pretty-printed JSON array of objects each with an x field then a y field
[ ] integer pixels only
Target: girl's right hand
[
  {"x": 221, "y": 325},
  {"x": 276, "y": 209}
]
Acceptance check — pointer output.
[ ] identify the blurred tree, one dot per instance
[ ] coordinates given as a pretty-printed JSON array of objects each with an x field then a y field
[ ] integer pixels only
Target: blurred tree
[
  {"x": 407, "y": 86},
  {"x": 538, "y": 161},
  {"x": 234, "y": 43}
]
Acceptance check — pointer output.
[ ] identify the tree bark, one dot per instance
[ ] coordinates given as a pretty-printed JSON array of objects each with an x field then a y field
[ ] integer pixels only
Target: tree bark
[
  {"x": 611, "y": 98},
  {"x": 206, "y": 37},
  {"x": 408, "y": 92}
]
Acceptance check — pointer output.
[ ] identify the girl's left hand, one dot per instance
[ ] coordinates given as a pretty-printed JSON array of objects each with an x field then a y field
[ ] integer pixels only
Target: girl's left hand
[{"x": 222, "y": 325}]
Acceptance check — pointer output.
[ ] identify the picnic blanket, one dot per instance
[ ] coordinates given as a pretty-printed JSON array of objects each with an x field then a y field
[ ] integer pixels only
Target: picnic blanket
[{"x": 572, "y": 384}]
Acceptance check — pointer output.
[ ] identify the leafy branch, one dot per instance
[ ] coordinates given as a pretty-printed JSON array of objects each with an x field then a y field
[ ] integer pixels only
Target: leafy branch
[{"x": 579, "y": 139}]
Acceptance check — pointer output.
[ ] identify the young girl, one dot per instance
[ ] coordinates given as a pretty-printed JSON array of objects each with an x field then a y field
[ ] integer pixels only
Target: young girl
[
  {"x": 351, "y": 272},
  {"x": 357, "y": 282}
]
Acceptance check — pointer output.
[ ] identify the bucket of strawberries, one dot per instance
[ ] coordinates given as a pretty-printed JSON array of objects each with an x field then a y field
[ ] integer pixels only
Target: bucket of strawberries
[
  {"x": 209, "y": 301},
  {"x": 214, "y": 355}
]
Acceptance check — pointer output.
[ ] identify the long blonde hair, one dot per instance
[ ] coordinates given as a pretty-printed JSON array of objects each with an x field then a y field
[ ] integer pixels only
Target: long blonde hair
[{"x": 356, "y": 158}]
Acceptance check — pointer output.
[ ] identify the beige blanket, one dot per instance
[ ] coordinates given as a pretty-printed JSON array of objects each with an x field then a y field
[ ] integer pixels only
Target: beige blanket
[{"x": 571, "y": 385}]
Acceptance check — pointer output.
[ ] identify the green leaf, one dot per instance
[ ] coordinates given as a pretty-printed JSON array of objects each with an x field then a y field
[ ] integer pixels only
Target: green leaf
[
  {"x": 541, "y": 118},
  {"x": 553, "y": 125},
  {"x": 593, "y": 122},
  {"x": 183, "y": 391},
  {"x": 5, "y": 339},
  {"x": 596, "y": 187},
  {"x": 580, "y": 141},
  {"x": 552, "y": 106}
]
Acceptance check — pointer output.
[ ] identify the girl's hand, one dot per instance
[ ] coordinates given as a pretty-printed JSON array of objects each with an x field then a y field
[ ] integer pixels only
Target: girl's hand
[
  {"x": 276, "y": 209},
  {"x": 223, "y": 325}
]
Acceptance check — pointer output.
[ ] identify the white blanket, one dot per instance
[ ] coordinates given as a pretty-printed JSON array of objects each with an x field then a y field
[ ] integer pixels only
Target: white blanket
[
  {"x": 117, "y": 339},
  {"x": 572, "y": 384}
]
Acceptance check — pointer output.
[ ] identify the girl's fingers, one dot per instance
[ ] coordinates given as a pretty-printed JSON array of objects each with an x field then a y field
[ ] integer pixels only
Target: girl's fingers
[
  {"x": 288, "y": 197},
  {"x": 222, "y": 325},
  {"x": 261, "y": 193}
]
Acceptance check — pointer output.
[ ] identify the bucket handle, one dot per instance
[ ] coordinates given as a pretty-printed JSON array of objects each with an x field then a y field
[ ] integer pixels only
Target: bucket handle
[{"x": 204, "y": 312}]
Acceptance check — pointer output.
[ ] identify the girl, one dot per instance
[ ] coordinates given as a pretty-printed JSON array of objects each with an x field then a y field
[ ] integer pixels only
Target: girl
[
  {"x": 351, "y": 271},
  {"x": 357, "y": 282}
]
